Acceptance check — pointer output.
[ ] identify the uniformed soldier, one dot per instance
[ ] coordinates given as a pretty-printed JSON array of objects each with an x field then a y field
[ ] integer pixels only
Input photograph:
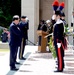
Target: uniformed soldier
[
  {"x": 24, "y": 26},
  {"x": 15, "y": 40},
  {"x": 58, "y": 35}
]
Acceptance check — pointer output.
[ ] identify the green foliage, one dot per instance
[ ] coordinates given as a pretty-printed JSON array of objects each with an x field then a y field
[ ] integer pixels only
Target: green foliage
[
  {"x": 4, "y": 50},
  {"x": 66, "y": 29},
  {"x": 52, "y": 48},
  {"x": 8, "y": 8}
]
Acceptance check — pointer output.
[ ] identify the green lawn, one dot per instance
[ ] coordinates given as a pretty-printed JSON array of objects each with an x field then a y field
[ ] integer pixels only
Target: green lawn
[{"x": 4, "y": 50}]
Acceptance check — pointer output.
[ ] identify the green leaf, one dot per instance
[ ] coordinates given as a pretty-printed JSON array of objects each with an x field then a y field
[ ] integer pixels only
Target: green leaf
[{"x": 52, "y": 48}]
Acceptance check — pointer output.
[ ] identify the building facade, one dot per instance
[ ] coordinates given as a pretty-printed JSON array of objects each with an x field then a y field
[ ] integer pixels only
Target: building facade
[{"x": 36, "y": 10}]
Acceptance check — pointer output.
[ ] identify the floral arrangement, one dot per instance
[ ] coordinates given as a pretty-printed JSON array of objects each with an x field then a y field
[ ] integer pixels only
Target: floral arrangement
[
  {"x": 52, "y": 48},
  {"x": 68, "y": 31}
]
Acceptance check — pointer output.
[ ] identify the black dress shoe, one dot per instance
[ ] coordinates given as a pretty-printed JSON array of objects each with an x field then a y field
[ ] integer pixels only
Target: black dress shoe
[
  {"x": 17, "y": 62},
  {"x": 22, "y": 58},
  {"x": 58, "y": 71},
  {"x": 14, "y": 69}
]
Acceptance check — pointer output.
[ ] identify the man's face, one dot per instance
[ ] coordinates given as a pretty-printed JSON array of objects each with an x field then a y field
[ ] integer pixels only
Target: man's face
[
  {"x": 23, "y": 19},
  {"x": 17, "y": 21},
  {"x": 62, "y": 17}
]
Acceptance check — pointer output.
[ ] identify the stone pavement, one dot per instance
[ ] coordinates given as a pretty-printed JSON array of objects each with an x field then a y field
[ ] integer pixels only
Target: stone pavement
[{"x": 37, "y": 63}]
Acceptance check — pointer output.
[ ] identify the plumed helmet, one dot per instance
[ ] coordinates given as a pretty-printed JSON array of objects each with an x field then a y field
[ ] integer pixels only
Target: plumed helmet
[
  {"x": 55, "y": 5},
  {"x": 61, "y": 6}
]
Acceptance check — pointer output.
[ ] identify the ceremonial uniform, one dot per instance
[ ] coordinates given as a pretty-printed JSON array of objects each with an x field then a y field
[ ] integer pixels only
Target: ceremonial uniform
[
  {"x": 24, "y": 31},
  {"x": 58, "y": 34},
  {"x": 59, "y": 38}
]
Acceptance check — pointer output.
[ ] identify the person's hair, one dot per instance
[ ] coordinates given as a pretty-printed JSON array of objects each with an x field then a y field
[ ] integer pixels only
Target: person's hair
[
  {"x": 15, "y": 17},
  {"x": 43, "y": 21},
  {"x": 63, "y": 14},
  {"x": 58, "y": 12},
  {"x": 23, "y": 17},
  {"x": 5, "y": 29}
]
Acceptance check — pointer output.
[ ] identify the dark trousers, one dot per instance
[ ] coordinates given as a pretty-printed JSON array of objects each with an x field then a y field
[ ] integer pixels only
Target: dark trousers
[
  {"x": 39, "y": 41},
  {"x": 13, "y": 55},
  {"x": 22, "y": 47},
  {"x": 60, "y": 59},
  {"x": 60, "y": 56}
]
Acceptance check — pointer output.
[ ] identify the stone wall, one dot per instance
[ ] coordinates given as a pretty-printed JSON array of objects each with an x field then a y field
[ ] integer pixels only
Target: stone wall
[
  {"x": 41, "y": 9},
  {"x": 45, "y": 9}
]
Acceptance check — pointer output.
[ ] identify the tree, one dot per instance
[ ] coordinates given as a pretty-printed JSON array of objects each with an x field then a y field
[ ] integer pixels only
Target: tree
[{"x": 8, "y": 8}]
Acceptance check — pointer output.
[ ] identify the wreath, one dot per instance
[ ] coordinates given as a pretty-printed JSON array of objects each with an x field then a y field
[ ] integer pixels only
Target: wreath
[{"x": 52, "y": 48}]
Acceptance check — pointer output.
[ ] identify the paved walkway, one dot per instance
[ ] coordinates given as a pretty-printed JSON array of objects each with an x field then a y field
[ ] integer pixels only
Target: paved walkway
[{"x": 36, "y": 63}]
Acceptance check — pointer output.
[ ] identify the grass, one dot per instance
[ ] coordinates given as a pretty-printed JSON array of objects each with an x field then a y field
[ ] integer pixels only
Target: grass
[{"x": 4, "y": 50}]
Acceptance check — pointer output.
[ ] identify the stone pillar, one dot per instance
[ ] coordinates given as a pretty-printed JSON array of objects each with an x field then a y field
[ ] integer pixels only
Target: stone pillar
[
  {"x": 30, "y": 8},
  {"x": 70, "y": 9},
  {"x": 66, "y": 10}
]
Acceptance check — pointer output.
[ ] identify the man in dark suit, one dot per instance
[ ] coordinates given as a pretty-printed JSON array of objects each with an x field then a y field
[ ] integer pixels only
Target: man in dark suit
[
  {"x": 42, "y": 26},
  {"x": 24, "y": 26},
  {"x": 15, "y": 41}
]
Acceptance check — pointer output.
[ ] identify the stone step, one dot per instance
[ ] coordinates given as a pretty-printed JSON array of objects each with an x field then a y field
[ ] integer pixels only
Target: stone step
[
  {"x": 70, "y": 59},
  {"x": 4, "y": 45}
]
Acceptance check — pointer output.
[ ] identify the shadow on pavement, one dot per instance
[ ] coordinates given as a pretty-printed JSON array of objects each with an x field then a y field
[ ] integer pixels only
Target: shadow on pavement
[
  {"x": 69, "y": 71},
  {"x": 43, "y": 55},
  {"x": 24, "y": 71},
  {"x": 22, "y": 61}
]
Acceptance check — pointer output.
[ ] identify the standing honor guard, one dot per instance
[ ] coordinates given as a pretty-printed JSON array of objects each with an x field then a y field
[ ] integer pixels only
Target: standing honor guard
[
  {"x": 24, "y": 31},
  {"x": 58, "y": 35},
  {"x": 14, "y": 42}
]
